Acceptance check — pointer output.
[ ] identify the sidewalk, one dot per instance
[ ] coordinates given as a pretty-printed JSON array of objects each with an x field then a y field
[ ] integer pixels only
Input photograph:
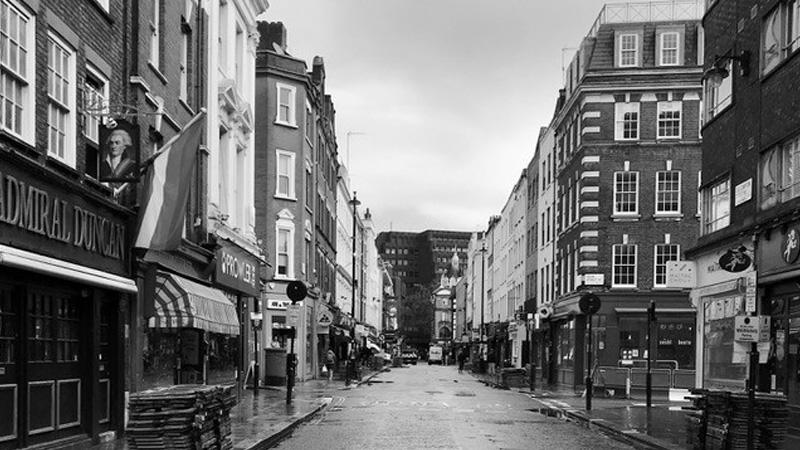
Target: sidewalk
[
  {"x": 259, "y": 422},
  {"x": 662, "y": 426}
]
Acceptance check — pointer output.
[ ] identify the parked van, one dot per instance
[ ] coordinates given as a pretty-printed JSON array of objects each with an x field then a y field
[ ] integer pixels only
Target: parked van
[{"x": 435, "y": 355}]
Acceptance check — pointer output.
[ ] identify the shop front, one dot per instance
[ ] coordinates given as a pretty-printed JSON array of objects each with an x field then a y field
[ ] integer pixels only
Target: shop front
[
  {"x": 65, "y": 289},
  {"x": 719, "y": 297},
  {"x": 778, "y": 259}
]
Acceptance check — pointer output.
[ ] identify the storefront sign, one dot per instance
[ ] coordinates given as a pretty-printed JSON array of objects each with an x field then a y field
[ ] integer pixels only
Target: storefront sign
[
  {"x": 750, "y": 294},
  {"x": 735, "y": 260},
  {"x": 237, "y": 270},
  {"x": 790, "y": 247},
  {"x": 278, "y": 304},
  {"x": 681, "y": 274},
  {"x": 32, "y": 209}
]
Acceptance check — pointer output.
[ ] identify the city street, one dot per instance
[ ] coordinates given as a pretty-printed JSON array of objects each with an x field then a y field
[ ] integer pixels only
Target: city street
[{"x": 435, "y": 407}]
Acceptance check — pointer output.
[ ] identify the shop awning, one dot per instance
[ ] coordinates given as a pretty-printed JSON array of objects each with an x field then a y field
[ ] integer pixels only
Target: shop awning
[
  {"x": 21, "y": 259},
  {"x": 182, "y": 303},
  {"x": 658, "y": 310}
]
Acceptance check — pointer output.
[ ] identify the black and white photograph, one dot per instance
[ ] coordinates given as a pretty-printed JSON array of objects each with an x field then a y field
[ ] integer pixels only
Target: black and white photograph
[{"x": 389, "y": 224}]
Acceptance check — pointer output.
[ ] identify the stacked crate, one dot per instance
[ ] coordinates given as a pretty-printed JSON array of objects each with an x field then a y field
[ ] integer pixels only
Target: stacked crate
[
  {"x": 181, "y": 417},
  {"x": 720, "y": 420}
]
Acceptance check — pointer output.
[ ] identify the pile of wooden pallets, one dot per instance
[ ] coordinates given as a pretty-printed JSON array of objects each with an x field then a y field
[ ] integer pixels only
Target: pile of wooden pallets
[
  {"x": 181, "y": 417},
  {"x": 720, "y": 419}
]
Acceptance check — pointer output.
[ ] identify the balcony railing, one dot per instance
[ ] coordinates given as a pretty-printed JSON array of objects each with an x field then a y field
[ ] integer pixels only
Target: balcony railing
[{"x": 657, "y": 11}]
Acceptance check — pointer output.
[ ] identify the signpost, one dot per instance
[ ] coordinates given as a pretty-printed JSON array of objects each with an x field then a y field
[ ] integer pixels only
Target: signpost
[
  {"x": 296, "y": 291},
  {"x": 589, "y": 304}
]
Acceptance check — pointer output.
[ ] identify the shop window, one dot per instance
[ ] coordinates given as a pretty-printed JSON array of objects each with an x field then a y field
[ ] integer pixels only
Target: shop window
[
  {"x": 40, "y": 329},
  {"x": 67, "y": 329},
  {"x": 222, "y": 350},
  {"x": 724, "y": 360}
]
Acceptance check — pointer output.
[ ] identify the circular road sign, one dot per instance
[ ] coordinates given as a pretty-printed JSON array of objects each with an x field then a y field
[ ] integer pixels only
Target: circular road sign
[
  {"x": 589, "y": 303},
  {"x": 296, "y": 291}
]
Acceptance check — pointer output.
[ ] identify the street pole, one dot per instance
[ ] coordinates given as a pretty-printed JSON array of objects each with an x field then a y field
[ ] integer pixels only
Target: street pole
[
  {"x": 531, "y": 352},
  {"x": 482, "y": 365},
  {"x": 589, "y": 387},
  {"x": 350, "y": 371},
  {"x": 256, "y": 368},
  {"x": 291, "y": 368},
  {"x": 651, "y": 318}
]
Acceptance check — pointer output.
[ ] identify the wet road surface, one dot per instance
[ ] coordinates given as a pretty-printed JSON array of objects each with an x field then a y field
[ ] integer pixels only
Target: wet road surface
[{"x": 435, "y": 407}]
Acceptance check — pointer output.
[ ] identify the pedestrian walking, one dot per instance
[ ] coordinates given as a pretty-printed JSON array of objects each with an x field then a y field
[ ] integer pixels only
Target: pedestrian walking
[
  {"x": 330, "y": 363},
  {"x": 462, "y": 358}
]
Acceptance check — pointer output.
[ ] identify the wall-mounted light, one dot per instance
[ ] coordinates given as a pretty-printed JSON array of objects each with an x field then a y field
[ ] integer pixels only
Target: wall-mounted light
[{"x": 718, "y": 71}]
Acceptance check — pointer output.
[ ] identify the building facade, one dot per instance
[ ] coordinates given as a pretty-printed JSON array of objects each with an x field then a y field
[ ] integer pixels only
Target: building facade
[
  {"x": 66, "y": 280},
  {"x": 746, "y": 254},
  {"x": 625, "y": 167}
]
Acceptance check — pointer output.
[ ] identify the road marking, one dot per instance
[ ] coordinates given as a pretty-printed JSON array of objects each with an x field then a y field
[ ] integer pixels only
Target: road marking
[{"x": 445, "y": 405}]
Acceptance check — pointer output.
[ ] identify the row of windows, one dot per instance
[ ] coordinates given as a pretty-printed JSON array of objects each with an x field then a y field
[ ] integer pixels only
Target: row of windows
[
  {"x": 627, "y": 120},
  {"x": 779, "y": 181},
  {"x": 669, "y": 48},
  {"x": 667, "y": 193},
  {"x": 624, "y": 270}
]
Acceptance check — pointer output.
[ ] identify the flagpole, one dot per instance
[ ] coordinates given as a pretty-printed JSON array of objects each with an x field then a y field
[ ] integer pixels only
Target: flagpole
[{"x": 172, "y": 140}]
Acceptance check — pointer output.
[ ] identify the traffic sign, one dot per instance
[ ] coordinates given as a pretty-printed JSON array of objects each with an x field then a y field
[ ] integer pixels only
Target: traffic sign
[
  {"x": 589, "y": 304},
  {"x": 746, "y": 329},
  {"x": 296, "y": 291},
  {"x": 293, "y": 315}
]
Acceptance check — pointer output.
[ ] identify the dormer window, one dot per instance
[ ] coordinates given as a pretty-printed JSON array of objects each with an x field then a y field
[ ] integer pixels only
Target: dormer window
[{"x": 628, "y": 50}]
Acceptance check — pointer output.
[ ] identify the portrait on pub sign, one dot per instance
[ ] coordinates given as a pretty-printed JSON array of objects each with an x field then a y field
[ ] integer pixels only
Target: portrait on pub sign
[{"x": 119, "y": 152}]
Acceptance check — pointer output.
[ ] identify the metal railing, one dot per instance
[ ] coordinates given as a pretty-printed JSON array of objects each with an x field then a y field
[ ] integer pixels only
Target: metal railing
[{"x": 657, "y": 11}]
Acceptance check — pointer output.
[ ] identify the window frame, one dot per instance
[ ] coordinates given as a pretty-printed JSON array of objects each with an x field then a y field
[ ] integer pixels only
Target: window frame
[
  {"x": 669, "y": 107},
  {"x": 658, "y": 191},
  {"x": 711, "y": 222},
  {"x": 623, "y": 51},
  {"x": 620, "y": 110},
  {"x": 154, "y": 56},
  {"x": 663, "y": 48},
  {"x": 714, "y": 105},
  {"x": 617, "y": 191},
  {"x": 291, "y": 176},
  {"x": 291, "y": 106},
  {"x": 23, "y": 106},
  {"x": 66, "y": 106},
  {"x": 663, "y": 264},
  {"x": 97, "y": 117},
  {"x": 614, "y": 265},
  {"x": 280, "y": 228}
]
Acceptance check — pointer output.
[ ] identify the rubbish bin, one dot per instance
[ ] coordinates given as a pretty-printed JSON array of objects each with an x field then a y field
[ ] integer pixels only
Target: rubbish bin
[{"x": 274, "y": 366}]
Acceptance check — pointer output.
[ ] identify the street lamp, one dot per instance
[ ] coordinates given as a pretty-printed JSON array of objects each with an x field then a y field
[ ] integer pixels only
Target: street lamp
[
  {"x": 483, "y": 290},
  {"x": 351, "y": 354}
]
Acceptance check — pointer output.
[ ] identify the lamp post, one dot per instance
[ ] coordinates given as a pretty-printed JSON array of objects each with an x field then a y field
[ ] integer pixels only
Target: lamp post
[
  {"x": 351, "y": 353},
  {"x": 483, "y": 289}
]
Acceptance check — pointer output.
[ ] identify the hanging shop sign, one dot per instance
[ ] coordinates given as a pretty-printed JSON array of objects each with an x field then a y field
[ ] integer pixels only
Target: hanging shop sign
[
  {"x": 790, "y": 247},
  {"x": 735, "y": 260},
  {"x": 237, "y": 270},
  {"x": 48, "y": 218}
]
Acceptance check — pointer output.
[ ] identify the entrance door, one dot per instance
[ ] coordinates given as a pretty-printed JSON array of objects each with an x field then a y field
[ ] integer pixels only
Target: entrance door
[
  {"x": 9, "y": 369},
  {"x": 53, "y": 389}
]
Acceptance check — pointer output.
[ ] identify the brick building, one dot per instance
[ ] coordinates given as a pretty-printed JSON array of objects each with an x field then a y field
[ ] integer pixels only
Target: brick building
[
  {"x": 751, "y": 143},
  {"x": 296, "y": 196},
  {"x": 66, "y": 286},
  {"x": 625, "y": 164}
]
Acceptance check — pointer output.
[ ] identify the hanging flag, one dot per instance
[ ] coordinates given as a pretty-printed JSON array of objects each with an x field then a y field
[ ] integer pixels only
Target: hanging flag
[{"x": 169, "y": 179}]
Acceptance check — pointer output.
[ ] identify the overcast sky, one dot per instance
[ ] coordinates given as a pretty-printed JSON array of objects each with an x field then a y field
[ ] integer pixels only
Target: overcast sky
[{"x": 449, "y": 96}]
